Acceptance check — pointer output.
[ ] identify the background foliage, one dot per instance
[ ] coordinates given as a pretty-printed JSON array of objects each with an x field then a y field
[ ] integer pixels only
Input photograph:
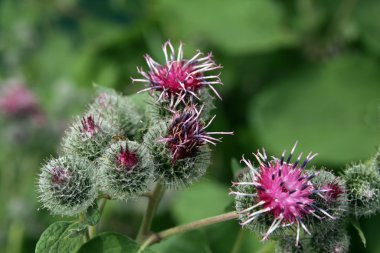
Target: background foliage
[{"x": 293, "y": 70}]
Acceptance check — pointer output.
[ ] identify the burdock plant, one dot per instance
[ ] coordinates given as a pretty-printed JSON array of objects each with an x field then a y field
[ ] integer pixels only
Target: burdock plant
[{"x": 117, "y": 151}]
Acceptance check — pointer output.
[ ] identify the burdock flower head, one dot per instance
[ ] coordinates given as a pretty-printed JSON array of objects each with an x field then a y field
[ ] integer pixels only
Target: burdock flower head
[
  {"x": 125, "y": 170},
  {"x": 88, "y": 136},
  {"x": 277, "y": 195},
  {"x": 187, "y": 133},
  {"x": 180, "y": 147},
  {"x": 66, "y": 185},
  {"x": 179, "y": 80}
]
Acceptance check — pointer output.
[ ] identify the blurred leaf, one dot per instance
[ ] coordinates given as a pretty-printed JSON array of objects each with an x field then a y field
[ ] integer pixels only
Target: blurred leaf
[
  {"x": 331, "y": 109},
  {"x": 93, "y": 215},
  {"x": 204, "y": 199},
  {"x": 238, "y": 28},
  {"x": 190, "y": 242},
  {"x": 369, "y": 26},
  {"x": 57, "y": 238},
  {"x": 111, "y": 243},
  {"x": 356, "y": 224}
]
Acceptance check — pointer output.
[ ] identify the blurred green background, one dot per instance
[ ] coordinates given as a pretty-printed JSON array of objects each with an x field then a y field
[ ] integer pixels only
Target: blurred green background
[{"x": 293, "y": 70}]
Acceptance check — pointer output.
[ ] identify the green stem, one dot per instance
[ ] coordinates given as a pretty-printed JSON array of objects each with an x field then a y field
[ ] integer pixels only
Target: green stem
[
  {"x": 154, "y": 201},
  {"x": 92, "y": 229},
  {"x": 82, "y": 219},
  {"x": 187, "y": 227}
]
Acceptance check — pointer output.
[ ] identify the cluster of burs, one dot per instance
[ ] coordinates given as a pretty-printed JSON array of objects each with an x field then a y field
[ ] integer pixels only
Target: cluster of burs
[
  {"x": 122, "y": 145},
  {"x": 119, "y": 149}
]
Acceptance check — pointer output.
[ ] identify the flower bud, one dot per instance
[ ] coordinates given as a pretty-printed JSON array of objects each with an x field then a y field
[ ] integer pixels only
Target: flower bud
[
  {"x": 363, "y": 186},
  {"x": 66, "y": 185},
  {"x": 87, "y": 137},
  {"x": 125, "y": 170},
  {"x": 334, "y": 240},
  {"x": 120, "y": 112},
  {"x": 287, "y": 245},
  {"x": 331, "y": 195}
]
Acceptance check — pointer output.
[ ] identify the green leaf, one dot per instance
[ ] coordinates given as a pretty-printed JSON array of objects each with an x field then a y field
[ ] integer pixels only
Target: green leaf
[
  {"x": 202, "y": 200},
  {"x": 331, "y": 108},
  {"x": 190, "y": 242},
  {"x": 367, "y": 17},
  {"x": 58, "y": 238},
  {"x": 356, "y": 225},
  {"x": 93, "y": 215},
  {"x": 259, "y": 26},
  {"x": 111, "y": 243}
]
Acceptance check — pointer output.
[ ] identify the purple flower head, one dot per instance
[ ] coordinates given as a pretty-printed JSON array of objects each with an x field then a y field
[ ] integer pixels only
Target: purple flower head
[
  {"x": 281, "y": 190},
  {"x": 126, "y": 159},
  {"x": 89, "y": 126},
  {"x": 17, "y": 101},
  {"x": 179, "y": 80},
  {"x": 186, "y": 133},
  {"x": 59, "y": 175}
]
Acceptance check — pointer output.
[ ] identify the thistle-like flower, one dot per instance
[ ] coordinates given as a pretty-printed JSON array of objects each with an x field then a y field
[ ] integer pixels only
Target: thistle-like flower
[
  {"x": 186, "y": 133},
  {"x": 179, "y": 80},
  {"x": 88, "y": 137},
  {"x": 180, "y": 147},
  {"x": 67, "y": 185},
  {"x": 278, "y": 194},
  {"x": 125, "y": 170}
]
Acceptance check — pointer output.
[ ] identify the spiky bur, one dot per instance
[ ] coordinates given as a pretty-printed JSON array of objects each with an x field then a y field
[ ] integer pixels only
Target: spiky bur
[
  {"x": 331, "y": 196},
  {"x": 178, "y": 80},
  {"x": 334, "y": 240},
  {"x": 66, "y": 185},
  {"x": 180, "y": 147},
  {"x": 325, "y": 240},
  {"x": 125, "y": 170},
  {"x": 363, "y": 187},
  {"x": 278, "y": 195},
  {"x": 118, "y": 111},
  {"x": 286, "y": 244},
  {"x": 184, "y": 171},
  {"x": 88, "y": 137}
]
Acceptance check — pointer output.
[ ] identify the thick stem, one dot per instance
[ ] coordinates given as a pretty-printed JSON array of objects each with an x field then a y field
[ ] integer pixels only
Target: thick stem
[
  {"x": 187, "y": 227},
  {"x": 82, "y": 219},
  {"x": 92, "y": 229},
  {"x": 154, "y": 201}
]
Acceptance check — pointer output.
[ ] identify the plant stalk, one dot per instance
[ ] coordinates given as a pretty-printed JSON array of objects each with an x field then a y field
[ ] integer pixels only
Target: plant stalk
[
  {"x": 154, "y": 201},
  {"x": 82, "y": 218},
  {"x": 187, "y": 227}
]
